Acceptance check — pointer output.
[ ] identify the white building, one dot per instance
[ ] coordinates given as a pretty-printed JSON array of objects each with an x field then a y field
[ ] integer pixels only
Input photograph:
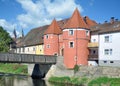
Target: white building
[{"x": 109, "y": 45}]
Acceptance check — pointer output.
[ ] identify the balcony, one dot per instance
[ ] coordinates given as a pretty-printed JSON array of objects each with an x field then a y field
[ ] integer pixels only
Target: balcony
[
  {"x": 93, "y": 44},
  {"x": 92, "y": 57}
]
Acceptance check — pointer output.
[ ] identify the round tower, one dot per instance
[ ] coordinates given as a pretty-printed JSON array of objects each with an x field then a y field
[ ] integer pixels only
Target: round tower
[
  {"x": 51, "y": 39},
  {"x": 76, "y": 36}
]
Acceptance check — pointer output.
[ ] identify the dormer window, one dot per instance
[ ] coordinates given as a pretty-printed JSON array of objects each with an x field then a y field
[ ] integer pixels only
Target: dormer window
[
  {"x": 71, "y": 32},
  {"x": 46, "y": 36}
]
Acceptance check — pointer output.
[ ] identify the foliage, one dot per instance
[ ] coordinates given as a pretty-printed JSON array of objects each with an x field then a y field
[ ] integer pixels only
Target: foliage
[
  {"x": 69, "y": 80},
  {"x": 105, "y": 81},
  {"x": 77, "y": 81},
  {"x": 13, "y": 68},
  {"x": 76, "y": 68},
  {"x": 5, "y": 40}
]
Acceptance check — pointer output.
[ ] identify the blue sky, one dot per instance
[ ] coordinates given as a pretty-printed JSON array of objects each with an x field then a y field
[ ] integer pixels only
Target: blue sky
[{"x": 28, "y": 14}]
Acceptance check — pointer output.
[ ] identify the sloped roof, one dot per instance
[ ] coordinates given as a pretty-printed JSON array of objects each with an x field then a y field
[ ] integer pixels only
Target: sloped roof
[
  {"x": 89, "y": 22},
  {"x": 112, "y": 27},
  {"x": 105, "y": 28},
  {"x": 35, "y": 36},
  {"x": 76, "y": 21},
  {"x": 53, "y": 28}
]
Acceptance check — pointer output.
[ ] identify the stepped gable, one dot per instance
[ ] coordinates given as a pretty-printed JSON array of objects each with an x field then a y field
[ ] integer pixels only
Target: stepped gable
[
  {"x": 76, "y": 21},
  {"x": 89, "y": 22},
  {"x": 53, "y": 28}
]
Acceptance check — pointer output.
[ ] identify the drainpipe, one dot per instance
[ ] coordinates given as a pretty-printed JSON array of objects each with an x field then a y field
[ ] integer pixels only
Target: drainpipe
[{"x": 76, "y": 47}]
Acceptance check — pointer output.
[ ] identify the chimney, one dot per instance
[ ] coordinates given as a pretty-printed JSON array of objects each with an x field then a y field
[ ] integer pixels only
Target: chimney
[
  {"x": 112, "y": 20},
  {"x": 116, "y": 20},
  {"x": 105, "y": 22},
  {"x": 85, "y": 18}
]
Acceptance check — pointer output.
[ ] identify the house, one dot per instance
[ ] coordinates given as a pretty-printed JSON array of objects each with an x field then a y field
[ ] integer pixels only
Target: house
[
  {"x": 71, "y": 40},
  {"x": 68, "y": 38},
  {"x": 33, "y": 43},
  {"x": 109, "y": 35}
]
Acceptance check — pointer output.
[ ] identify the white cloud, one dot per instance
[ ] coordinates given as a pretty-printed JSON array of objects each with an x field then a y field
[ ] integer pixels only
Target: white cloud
[
  {"x": 91, "y": 2},
  {"x": 9, "y": 27},
  {"x": 42, "y": 12},
  {"x": 39, "y": 13}
]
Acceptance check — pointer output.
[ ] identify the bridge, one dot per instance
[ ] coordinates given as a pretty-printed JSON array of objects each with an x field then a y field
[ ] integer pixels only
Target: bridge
[
  {"x": 27, "y": 58},
  {"x": 38, "y": 65}
]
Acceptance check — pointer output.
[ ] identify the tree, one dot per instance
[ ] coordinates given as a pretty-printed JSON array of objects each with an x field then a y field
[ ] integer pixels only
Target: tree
[{"x": 5, "y": 40}]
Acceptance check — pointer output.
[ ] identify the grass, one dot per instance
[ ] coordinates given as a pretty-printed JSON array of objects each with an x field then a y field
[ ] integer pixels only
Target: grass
[
  {"x": 101, "y": 81},
  {"x": 68, "y": 80},
  {"x": 105, "y": 81},
  {"x": 13, "y": 68}
]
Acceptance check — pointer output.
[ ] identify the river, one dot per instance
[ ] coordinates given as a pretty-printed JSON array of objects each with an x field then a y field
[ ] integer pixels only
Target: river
[{"x": 19, "y": 80}]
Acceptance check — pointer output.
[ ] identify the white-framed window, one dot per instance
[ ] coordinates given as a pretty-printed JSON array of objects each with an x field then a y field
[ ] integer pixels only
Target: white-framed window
[
  {"x": 108, "y": 39},
  {"x": 111, "y": 61},
  {"x": 33, "y": 48},
  {"x": 105, "y": 61},
  {"x": 71, "y": 32},
  {"x": 94, "y": 40},
  {"x": 108, "y": 51},
  {"x": 28, "y": 49},
  {"x": 71, "y": 44},
  {"x": 48, "y": 46},
  {"x": 47, "y": 36},
  {"x": 87, "y": 33}
]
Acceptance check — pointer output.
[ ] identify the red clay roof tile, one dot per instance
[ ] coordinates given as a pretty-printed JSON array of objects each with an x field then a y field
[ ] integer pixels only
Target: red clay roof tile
[
  {"x": 53, "y": 28},
  {"x": 89, "y": 22},
  {"x": 76, "y": 21}
]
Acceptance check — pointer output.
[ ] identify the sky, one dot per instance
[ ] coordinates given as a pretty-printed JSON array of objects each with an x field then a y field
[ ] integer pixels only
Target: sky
[{"x": 29, "y": 14}]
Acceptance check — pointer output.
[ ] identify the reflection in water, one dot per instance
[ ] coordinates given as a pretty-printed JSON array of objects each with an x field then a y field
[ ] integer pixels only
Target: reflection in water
[{"x": 18, "y": 80}]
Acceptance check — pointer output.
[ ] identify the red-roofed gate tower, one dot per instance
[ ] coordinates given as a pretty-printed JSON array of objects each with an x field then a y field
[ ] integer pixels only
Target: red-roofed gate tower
[
  {"x": 51, "y": 39},
  {"x": 75, "y": 39}
]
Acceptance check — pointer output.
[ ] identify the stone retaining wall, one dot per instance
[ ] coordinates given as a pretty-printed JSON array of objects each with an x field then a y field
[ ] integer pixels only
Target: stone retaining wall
[
  {"x": 96, "y": 71},
  {"x": 87, "y": 71}
]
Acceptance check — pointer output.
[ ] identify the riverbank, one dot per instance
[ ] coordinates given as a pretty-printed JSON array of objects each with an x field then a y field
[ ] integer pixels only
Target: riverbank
[
  {"x": 101, "y": 81},
  {"x": 13, "y": 68}
]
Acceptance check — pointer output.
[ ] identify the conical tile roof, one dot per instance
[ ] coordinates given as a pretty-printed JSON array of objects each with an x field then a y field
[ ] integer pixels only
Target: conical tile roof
[
  {"x": 76, "y": 21},
  {"x": 53, "y": 28},
  {"x": 89, "y": 22}
]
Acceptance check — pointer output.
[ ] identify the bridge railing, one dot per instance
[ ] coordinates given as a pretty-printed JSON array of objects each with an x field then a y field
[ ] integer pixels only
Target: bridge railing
[{"x": 27, "y": 58}]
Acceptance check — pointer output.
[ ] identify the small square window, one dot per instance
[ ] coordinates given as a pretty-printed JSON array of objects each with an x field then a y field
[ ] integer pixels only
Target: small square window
[
  {"x": 46, "y": 36},
  {"x": 106, "y": 51},
  {"x": 105, "y": 61},
  {"x": 111, "y": 62},
  {"x": 106, "y": 38},
  {"x": 94, "y": 40},
  {"x": 71, "y": 32},
  {"x": 48, "y": 46},
  {"x": 33, "y": 48},
  {"x": 87, "y": 33},
  {"x": 94, "y": 52},
  {"x": 71, "y": 44}
]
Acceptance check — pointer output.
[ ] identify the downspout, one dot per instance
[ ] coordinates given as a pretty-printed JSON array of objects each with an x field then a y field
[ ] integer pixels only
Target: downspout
[{"x": 76, "y": 47}]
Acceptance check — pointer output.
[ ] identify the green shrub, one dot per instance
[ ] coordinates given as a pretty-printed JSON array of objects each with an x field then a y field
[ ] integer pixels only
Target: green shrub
[{"x": 76, "y": 68}]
